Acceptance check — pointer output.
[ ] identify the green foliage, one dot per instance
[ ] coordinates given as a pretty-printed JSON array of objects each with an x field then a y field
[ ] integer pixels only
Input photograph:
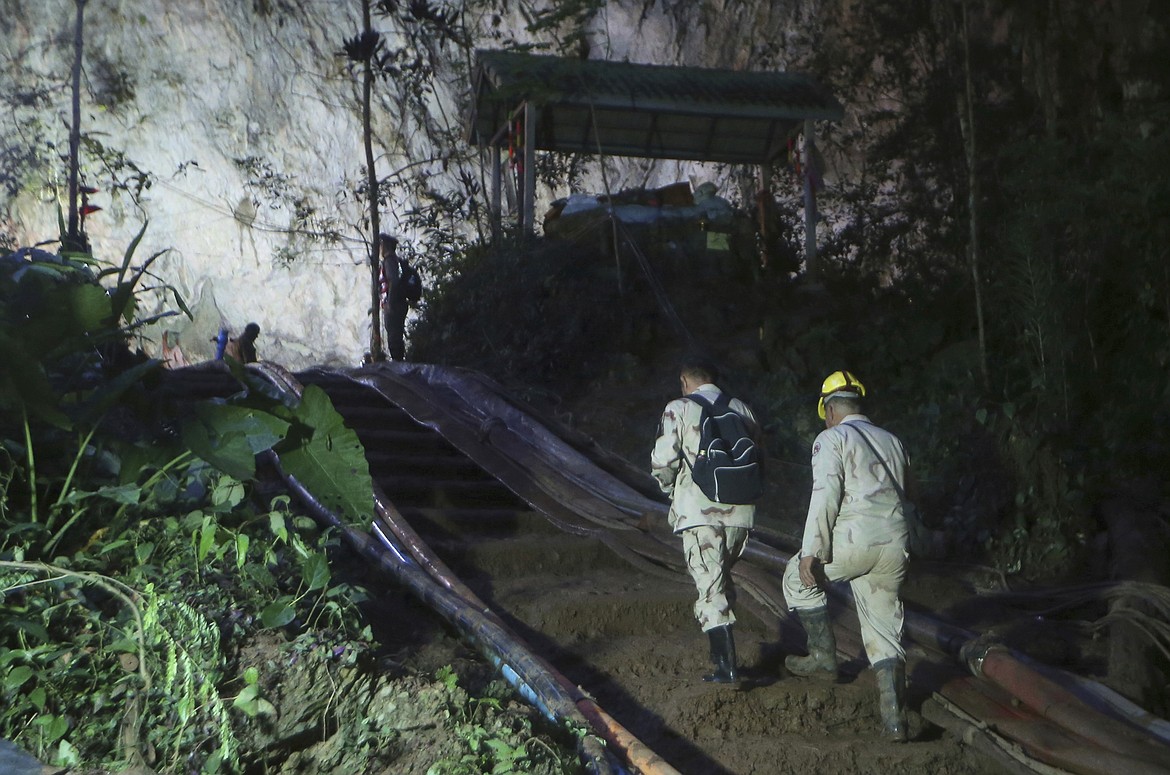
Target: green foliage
[
  {"x": 187, "y": 646},
  {"x": 495, "y": 741},
  {"x": 29, "y": 125},
  {"x": 310, "y": 436},
  {"x": 1073, "y": 236},
  {"x": 112, "y": 82},
  {"x": 124, "y": 295},
  {"x": 58, "y": 325},
  {"x": 279, "y": 192},
  {"x": 249, "y": 699},
  {"x": 1081, "y": 277},
  {"x": 114, "y": 652},
  {"x": 158, "y": 662},
  {"x": 535, "y": 316},
  {"x": 327, "y": 457},
  {"x": 62, "y": 334},
  {"x": 1048, "y": 531},
  {"x": 230, "y": 436},
  {"x": 1094, "y": 229},
  {"x": 898, "y": 215},
  {"x": 567, "y": 22},
  {"x": 117, "y": 172}
]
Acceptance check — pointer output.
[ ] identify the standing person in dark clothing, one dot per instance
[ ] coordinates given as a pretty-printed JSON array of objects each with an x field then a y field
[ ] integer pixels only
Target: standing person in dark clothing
[
  {"x": 394, "y": 305},
  {"x": 401, "y": 287}
]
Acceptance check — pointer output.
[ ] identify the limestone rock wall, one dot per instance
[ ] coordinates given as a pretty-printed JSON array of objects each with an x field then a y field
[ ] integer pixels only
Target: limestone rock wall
[
  {"x": 243, "y": 120},
  {"x": 246, "y": 124}
]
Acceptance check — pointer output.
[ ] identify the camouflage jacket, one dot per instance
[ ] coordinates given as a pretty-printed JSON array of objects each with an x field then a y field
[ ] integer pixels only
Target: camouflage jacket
[
  {"x": 678, "y": 435},
  {"x": 853, "y": 498}
]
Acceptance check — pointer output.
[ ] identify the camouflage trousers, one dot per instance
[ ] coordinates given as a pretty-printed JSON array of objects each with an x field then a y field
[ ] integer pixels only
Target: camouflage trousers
[
  {"x": 711, "y": 552},
  {"x": 875, "y": 572}
]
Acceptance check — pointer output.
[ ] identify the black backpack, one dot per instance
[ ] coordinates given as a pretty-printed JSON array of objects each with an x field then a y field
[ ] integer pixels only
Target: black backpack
[
  {"x": 411, "y": 283},
  {"x": 729, "y": 465}
]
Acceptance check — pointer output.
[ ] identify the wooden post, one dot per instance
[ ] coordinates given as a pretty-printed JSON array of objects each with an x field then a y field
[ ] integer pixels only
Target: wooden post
[
  {"x": 528, "y": 220},
  {"x": 810, "y": 207},
  {"x": 763, "y": 208},
  {"x": 495, "y": 206},
  {"x": 73, "y": 239}
]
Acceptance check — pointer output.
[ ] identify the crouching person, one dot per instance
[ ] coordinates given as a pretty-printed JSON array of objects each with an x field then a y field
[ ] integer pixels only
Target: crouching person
[{"x": 855, "y": 531}]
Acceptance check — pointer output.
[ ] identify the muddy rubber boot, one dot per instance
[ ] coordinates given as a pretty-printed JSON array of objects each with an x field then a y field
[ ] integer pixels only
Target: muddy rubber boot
[
  {"x": 822, "y": 646},
  {"x": 891, "y": 682},
  {"x": 722, "y": 656}
]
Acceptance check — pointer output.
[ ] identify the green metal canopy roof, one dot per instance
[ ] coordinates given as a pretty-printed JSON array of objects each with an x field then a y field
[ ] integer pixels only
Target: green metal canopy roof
[{"x": 652, "y": 111}]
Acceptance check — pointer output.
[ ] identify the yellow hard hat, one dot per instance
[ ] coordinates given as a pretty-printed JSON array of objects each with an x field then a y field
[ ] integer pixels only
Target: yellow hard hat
[{"x": 841, "y": 383}]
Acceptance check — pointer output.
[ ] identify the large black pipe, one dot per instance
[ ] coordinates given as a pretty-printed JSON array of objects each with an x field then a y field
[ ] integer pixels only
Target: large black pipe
[{"x": 534, "y": 683}]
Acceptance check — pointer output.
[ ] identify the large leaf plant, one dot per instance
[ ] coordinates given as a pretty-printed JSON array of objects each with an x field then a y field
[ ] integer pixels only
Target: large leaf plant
[{"x": 132, "y": 540}]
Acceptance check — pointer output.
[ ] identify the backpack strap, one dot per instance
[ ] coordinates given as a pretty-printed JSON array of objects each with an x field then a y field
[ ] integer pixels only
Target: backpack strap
[
  {"x": 723, "y": 401},
  {"x": 897, "y": 485},
  {"x": 705, "y": 407}
]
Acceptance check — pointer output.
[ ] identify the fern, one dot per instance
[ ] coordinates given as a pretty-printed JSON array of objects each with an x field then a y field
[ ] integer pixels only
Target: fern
[
  {"x": 1029, "y": 289},
  {"x": 194, "y": 670}
]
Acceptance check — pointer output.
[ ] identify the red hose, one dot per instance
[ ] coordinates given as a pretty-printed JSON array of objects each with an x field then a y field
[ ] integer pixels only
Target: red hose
[{"x": 1052, "y": 701}]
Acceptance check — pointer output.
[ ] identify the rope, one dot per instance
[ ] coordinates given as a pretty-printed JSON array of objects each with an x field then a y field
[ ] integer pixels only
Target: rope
[
  {"x": 656, "y": 286},
  {"x": 619, "y": 229},
  {"x": 1122, "y": 597},
  {"x": 622, "y": 235}
]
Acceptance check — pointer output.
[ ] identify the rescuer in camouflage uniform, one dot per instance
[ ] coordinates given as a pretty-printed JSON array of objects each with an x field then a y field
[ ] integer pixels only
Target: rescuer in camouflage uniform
[
  {"x": 713, "y": 534},
  {"x": 855, "y": 531}
]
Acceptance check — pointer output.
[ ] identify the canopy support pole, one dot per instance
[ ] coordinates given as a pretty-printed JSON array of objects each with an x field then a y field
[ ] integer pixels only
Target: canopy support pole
[
  {"x": 812, "y": 265},
  {"x": 497, "y": 172},
  {"x": 528, "y": 216}
]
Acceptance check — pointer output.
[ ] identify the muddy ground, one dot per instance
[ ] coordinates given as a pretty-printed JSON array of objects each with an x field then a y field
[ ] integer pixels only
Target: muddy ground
[
  {"x": 622, "y": 630},
  {"x": 626, "y": 634},
  {"x": 630, "y": 640}
]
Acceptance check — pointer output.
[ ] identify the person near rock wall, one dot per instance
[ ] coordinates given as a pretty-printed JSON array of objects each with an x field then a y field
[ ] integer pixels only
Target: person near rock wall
[
  {"x": 241, "y": 348},
  {"x": 855, "y": 531},
  {"x": 172, "y": 353},
  {"x": 247, "y": 343},
  {"x": 394, "y": 304},
  {"x": 713, "y": 534}
]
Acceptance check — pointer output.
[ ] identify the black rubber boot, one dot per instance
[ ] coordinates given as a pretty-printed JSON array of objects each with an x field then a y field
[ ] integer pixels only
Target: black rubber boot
[
  {"x": 822, "y": 646},
  {"x": 722, "y": 656},
  {"x": 891, "y": 682}
]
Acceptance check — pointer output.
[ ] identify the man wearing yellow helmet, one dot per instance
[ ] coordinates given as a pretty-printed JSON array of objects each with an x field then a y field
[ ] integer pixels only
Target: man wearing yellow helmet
[{"x": 855, "y": 531}]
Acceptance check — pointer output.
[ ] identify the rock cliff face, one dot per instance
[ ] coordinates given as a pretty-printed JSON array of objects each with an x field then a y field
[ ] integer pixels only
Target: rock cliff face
[
  {"x": 233, "y": 129},
  {"x": 240, "y": 119}
]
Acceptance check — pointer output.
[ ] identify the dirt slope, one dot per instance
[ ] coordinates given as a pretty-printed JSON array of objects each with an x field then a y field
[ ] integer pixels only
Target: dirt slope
[{"x": 621, "y": 628}]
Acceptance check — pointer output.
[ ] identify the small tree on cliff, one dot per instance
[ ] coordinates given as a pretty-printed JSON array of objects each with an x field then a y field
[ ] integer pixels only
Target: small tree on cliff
[
  {"x": 74, "y": 239},
  {"x": 367, "y": 51},
  {"x": 410, "y": 67}
]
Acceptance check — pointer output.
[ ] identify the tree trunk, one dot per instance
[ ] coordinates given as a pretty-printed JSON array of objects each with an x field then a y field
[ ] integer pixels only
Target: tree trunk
[
  {"x": 968, "y": 110},
  {"x": 73, "y": 239},
  {"x": 376, "y": 353}
]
